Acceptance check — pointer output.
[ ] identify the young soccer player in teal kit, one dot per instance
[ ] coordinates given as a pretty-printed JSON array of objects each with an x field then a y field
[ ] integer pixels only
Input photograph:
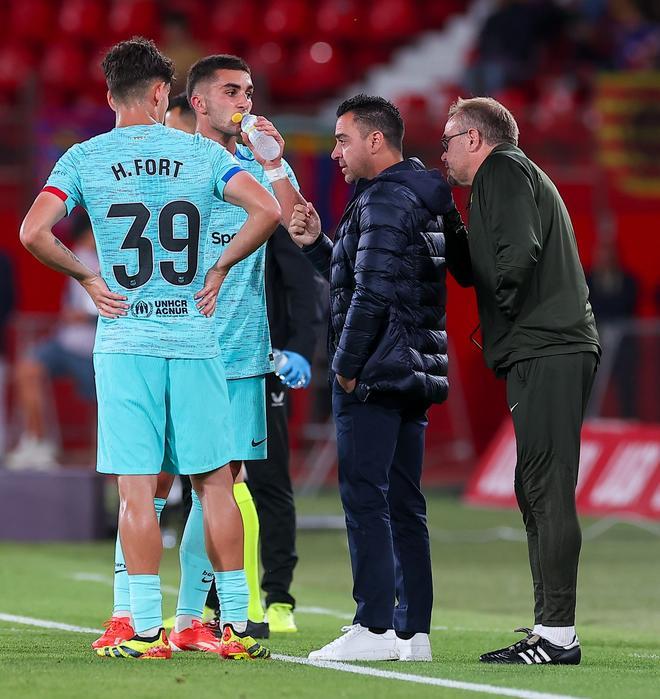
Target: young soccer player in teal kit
[
  {"x": 162, "y": 392},
  {"x": 220, "y": 86}
]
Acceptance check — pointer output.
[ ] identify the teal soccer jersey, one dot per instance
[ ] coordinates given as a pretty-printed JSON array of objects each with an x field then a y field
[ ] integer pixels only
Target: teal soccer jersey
[
  {"x": 149, "y": 192},
  {"x": 244, "y": 335}
]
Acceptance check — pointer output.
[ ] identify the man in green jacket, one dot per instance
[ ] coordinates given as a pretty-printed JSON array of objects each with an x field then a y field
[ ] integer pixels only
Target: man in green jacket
[{"x": 539, "y": 333}]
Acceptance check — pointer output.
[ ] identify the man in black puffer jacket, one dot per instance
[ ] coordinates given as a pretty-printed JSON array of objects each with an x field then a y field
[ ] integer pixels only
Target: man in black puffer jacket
[{"x": 388, "y": 352}]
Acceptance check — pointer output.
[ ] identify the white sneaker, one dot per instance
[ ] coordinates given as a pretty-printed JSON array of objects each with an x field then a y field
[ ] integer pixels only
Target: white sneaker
[
  {"x": 358, "y": 643},
  {"x": 416, "y": 648},
  {"x": 32, "y": 454}
]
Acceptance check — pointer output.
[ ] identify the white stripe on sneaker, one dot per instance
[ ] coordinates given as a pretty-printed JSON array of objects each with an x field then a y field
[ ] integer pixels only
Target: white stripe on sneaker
[
  {"x": 525, "y": 658},
  {"x": 541, "y": 652}
]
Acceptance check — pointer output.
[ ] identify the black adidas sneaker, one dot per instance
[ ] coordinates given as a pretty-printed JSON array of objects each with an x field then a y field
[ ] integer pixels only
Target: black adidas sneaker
[{"x": 534, "y": 650}]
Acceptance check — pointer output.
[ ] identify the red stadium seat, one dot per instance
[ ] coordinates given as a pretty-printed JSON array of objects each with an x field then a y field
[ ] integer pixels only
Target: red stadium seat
[
  {"x": 82, "y": 19},
  {"x": 130, "y": 17},
  {"x": 197, "y": 14},
  {"x": 269, "y": 59},
  {"x": 340, "y": 19},
  {"x": 243, "y": 22},
  {"x": 317, "y": 70},
  {"x": 16, "y": 64},
  {"x": 288, "y": 19},
  {"x": 64, "y": 69},
  {"x": 393, "y": 19},
  {"x": 515, "y": 99},
  {"x": 423, "y": 126},
  {"x": 32, "y": 20},
  {"x": 94, "y": 87},
  {"x": 436, "y": 13},
  {"x": 362, "y": 57},
  {"x": 222, "y": 44}
]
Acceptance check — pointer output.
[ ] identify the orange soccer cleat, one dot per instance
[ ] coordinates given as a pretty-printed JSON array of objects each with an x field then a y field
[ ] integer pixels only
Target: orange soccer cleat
[
  {"x": 237, "y": 647},
  {"x": 139, "y": 647},
  {"x": 117, "y": 630},
  {"x": 196, "y": 637}
]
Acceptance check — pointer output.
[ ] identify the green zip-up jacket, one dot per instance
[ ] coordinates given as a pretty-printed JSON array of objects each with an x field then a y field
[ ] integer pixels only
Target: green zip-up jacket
[{"x": 531, "y": 291}]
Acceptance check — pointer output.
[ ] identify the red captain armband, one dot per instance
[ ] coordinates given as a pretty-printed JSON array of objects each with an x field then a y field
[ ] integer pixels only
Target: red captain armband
[{"x": 57, "y": 192}]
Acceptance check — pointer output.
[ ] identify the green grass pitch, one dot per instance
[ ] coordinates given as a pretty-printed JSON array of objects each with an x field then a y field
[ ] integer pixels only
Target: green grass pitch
[{"x": 482, "y": 591}]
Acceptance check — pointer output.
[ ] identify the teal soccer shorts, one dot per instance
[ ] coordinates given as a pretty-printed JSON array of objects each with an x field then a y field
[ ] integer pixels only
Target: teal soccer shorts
[
  {"x": 247, "y": 398},
  {"x": 158, "y": 413}
]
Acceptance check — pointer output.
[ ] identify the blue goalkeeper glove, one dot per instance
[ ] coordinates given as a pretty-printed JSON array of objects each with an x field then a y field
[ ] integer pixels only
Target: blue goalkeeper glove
[{"x": 296, "y": 372}]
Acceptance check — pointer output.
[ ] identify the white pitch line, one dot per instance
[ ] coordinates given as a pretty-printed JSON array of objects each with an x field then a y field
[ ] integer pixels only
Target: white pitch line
[
  {"x": 421, "y": 679},
  {"x": 646, "y": 656},
  {"x": 336, "y": 666},
  {"x": 45, "y": 624},
  {"x": 324, "y": 612}
]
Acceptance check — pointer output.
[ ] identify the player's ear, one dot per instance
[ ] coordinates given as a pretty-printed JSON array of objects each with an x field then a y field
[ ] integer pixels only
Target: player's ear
[
  {"x": 161, "y": 92},
  {"x": 111, "y": 101},
  {"x": 198, "y": 103},
  {"x": 376, "y": 141}
]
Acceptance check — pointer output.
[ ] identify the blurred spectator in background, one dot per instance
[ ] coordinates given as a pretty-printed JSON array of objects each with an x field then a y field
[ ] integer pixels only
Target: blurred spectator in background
[
  {"x": 510, "y": 43},
  {"x": 67, "y": 352},
  {"x": 178, "y": 43},
  {"x": 613, "y": 294},
  {"x": 180, "y": 114},
  {"x": 637, "y": 34},
  {"x": 7, "y": 301}
]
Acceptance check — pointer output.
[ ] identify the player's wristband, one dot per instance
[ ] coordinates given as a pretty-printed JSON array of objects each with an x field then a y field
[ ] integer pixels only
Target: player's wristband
[{"x": 278, "y": 173}]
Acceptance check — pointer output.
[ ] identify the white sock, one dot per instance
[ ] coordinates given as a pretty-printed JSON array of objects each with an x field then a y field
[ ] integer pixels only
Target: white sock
[
  {"x": 184, "y": 621},
  {"x": 148, "y": 633},
  {"x": 559, "y": 635},
  {"x": 122, "y": 614},
  {"x": 238, "y": 626}
]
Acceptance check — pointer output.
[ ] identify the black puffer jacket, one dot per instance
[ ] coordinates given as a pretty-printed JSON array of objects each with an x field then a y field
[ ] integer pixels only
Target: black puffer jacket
[{"x": 387, "y": 285}]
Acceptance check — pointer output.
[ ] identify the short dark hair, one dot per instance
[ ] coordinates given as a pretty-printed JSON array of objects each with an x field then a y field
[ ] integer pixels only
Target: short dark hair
[
  {"x": 375, "y": 114},
  {"x": 206, "y": 67},
  {"x": 180, "y": 101},
  {"x": 130, "y": 66}
]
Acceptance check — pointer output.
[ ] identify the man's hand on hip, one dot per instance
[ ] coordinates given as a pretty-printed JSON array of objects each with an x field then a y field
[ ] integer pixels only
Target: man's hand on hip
[
  {"x": 109, "y": 304},
  {"x": 207, "y": 298}
]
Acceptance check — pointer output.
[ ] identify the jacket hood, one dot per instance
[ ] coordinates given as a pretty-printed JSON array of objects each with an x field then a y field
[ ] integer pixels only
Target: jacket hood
[{"x": 429, "y": 185}]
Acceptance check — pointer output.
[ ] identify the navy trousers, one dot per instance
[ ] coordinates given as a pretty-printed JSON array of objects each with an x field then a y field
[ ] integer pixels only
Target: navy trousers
[{"x": 380, "y": 448}]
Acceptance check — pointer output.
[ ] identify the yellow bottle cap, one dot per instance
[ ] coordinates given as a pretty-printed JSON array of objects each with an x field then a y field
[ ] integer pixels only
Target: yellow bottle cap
[{"x": 237, "y": 118}]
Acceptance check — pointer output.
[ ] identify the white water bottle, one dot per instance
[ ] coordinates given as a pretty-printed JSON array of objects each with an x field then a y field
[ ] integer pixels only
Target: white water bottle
[
  {"x": 266, "y": 146},
  {"x": 279, "y": 360}
]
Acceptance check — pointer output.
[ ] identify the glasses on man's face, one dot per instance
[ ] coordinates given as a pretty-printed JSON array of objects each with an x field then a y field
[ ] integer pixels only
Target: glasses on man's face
[{"x": 444, "y": 141}]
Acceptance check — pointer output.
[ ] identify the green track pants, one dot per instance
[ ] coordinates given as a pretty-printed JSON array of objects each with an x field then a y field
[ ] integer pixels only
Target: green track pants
[{"x": 547, "y": 397}]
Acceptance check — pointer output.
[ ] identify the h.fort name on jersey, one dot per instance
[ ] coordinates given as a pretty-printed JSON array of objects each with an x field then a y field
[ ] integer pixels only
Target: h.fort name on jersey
[{"x": 147, "y": 166}]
